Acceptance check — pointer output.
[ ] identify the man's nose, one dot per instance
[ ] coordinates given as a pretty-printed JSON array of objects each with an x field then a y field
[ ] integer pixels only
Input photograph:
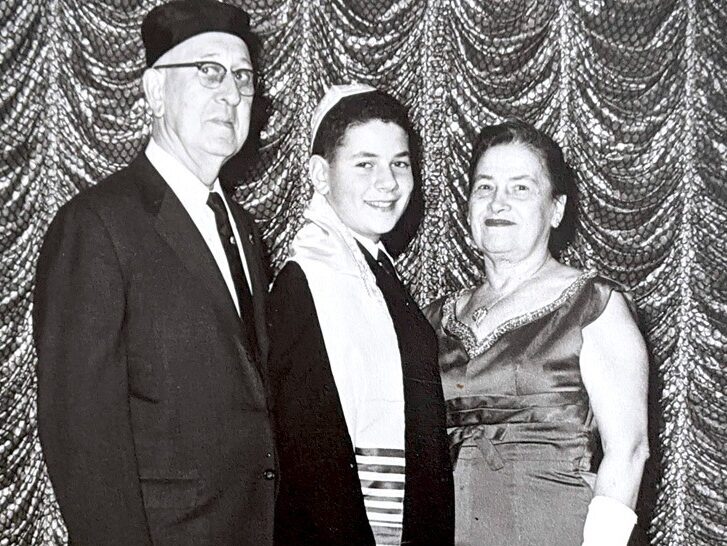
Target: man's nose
[{"x": 229, "y": 91}]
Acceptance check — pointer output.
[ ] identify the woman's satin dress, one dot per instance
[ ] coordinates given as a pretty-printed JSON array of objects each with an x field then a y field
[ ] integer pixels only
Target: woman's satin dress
[{"x": 521, "y": 430}]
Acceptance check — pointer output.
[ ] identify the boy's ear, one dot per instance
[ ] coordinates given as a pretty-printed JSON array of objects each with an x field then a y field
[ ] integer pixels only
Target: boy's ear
[
  {"x": 559, "y": 211},
  {"x": 318, "y": 170}
]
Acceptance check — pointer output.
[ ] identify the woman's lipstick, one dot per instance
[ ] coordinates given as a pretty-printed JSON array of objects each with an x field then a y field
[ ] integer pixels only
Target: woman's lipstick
[{"x": 496, "y": 222}]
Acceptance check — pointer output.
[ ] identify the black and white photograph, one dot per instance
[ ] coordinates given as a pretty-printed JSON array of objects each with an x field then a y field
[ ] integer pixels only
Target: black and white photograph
[{"x": 363, "y": 273}]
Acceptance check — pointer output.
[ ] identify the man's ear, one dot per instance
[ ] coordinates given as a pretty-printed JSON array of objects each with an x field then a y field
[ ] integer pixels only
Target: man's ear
[
  {"x": 318, "y": 170},
  {"x": 558, "y": 211},
  {"x": 153, "y": 81}
]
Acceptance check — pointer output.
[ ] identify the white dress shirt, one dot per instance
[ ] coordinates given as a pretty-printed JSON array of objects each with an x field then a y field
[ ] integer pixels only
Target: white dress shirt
[{"x": 193, "y": 194}]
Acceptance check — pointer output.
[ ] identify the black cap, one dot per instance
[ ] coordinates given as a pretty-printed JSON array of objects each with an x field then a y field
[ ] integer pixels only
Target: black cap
[{"x": 172, "y": 23}]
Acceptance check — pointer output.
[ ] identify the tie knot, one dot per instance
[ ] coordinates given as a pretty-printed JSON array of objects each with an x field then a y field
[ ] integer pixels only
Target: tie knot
[
  {"x": 214, "y": 201},
  {"x": 385, "y": 263}
]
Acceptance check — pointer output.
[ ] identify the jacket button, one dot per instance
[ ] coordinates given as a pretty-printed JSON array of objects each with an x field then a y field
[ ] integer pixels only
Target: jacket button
[{"x": 269, "y": 474}]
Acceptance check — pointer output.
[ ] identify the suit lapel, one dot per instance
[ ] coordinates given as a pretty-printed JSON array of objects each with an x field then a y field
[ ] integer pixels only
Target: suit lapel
[{"x": 177, "y": 229}]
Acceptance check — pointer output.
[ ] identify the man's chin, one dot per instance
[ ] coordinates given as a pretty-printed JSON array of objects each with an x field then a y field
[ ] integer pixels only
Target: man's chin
[{"x": 224, "y": 149}]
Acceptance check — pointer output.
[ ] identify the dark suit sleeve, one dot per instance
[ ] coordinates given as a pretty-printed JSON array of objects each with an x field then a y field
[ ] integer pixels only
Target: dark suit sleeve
[
  {"x": 289, "y": 305},
  {"x": 83, "y": 399},
  {"x": 291, "y": 318},
  {"x": 319, "y": 500}
]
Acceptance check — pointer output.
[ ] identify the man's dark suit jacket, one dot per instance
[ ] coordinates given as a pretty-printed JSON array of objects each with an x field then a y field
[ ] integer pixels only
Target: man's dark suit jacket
[{"x": 152, "y": 415}]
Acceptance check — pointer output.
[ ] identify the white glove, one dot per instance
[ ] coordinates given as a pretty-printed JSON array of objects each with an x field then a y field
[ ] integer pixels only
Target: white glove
[{"x": 608, "y": 523}]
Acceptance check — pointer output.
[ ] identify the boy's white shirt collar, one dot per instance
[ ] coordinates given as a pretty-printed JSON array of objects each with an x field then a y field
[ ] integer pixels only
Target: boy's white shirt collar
[{"x": 371, "y": 247}]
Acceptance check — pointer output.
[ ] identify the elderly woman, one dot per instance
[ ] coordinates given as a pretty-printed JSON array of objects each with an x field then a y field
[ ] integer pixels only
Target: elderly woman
[
  {"x": 359, "y": 415},
  {"x": 538, "y": 364}
]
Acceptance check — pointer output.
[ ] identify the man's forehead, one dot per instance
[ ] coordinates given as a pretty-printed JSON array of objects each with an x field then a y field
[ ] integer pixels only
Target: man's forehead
[{"x": 208, "y": 44}]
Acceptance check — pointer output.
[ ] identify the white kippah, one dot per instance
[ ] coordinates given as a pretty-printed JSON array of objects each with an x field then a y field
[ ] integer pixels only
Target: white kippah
[{"x": 332, "y": 97}]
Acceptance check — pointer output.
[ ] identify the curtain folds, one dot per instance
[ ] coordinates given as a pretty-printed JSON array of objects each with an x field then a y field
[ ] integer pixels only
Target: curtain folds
[{"x": 634, "y": 90}]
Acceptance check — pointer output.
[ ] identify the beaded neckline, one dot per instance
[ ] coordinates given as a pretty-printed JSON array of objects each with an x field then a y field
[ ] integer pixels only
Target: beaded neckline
[{"x": 475, "y": 348}]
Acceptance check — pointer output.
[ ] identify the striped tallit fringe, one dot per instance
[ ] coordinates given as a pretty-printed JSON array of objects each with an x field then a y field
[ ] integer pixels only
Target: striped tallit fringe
[{"x": 382, "y": 475}]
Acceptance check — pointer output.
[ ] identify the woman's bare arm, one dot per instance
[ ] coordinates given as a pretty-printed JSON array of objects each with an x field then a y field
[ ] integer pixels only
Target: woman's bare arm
[{"x": 614, "y": 367}]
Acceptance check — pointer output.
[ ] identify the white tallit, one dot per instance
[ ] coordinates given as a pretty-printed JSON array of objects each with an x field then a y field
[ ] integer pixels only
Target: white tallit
[{"x": 357, "y": 329}]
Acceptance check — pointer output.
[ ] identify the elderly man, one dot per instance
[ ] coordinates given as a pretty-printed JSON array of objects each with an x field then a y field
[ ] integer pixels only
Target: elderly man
[{"x": 149, "y": 316}]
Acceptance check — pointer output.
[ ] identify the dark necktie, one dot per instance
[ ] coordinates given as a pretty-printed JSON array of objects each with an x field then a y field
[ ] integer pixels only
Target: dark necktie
[
  {"x": 386, "y": 264},
  {"x": 244, "y": 297},
  {"x": 391, "y": 285},
  {"x": 386, "y": 278}
]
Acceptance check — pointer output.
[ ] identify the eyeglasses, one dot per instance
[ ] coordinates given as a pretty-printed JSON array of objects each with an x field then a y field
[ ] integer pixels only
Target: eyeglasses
[{"x": 211, "y": 74}]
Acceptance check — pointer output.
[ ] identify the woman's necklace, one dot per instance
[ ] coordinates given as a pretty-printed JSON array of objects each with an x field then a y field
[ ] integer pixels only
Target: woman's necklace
[{"x": 479, "y": 314}]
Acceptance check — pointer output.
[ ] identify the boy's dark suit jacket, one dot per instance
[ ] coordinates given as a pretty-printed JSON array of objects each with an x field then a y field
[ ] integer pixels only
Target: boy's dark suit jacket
[
  {"x": 320, "y": 500},
  {"x": 153, "y": 417}
]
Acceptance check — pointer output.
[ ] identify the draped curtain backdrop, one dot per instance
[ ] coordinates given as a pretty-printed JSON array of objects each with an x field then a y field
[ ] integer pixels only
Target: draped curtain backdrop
[{"x": 634, "y": 90}]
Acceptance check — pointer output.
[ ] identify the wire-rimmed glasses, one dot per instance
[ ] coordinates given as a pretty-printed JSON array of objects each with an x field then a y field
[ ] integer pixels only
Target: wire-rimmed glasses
[{"x": 211, "y": 74}]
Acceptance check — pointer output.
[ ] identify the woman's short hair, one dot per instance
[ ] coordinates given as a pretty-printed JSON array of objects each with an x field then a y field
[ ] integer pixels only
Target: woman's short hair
[
  {"x": 560, "y": 175},
  {"x": 357, "y": 110}
]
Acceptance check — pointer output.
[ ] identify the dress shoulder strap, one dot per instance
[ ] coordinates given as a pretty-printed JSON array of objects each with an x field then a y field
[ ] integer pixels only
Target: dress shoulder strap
[{"x": 597, "y": 295}]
